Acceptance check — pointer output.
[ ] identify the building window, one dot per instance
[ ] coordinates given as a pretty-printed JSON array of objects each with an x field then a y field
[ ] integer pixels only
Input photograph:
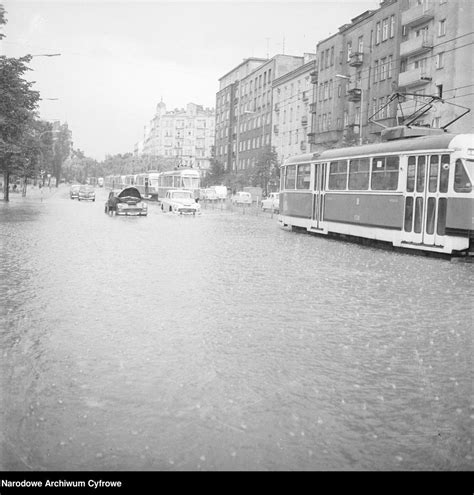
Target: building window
[
  {"x": 349, "y": 50},
  {"x": 339, "y": 89},
  {"x": 377, "y": 33},
  {"x": 392, "y": 26},
  {"x": 383, "y": 67},
  {"x": 442, "y": 27},
  {"x": 389, "y": 67},
  {"x": 376, "y": 71},
  {"x": 385, "y": 29},
  {"x": 332, "y": 56},
  {"x": 440, "y": 60},
  {"x": 360, "y": 47},
  {"x": 330, "y": 89}
]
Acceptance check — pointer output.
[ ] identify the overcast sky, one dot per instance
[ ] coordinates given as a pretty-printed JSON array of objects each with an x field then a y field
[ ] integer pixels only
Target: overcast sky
[{"x": 119, "y": 58}]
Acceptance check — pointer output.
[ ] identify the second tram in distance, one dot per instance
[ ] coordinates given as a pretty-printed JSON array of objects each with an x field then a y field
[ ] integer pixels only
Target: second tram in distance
[{"x": 412, "y": 192}]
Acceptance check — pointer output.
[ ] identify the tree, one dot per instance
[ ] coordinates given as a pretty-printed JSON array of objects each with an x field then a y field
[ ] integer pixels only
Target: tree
[
  {"x": 216, "y": 173},
  {"x": 62, "y": 146},
  {"x": 18, "y": 103},
  {"x": 266, "y": 169}
]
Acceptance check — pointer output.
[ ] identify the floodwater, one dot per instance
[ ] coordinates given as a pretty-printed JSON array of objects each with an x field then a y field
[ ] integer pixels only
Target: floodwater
[{"x": 222, "y": 342}]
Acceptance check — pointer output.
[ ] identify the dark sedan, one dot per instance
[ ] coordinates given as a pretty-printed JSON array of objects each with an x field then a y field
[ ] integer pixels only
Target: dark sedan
[{"x": 127, "y": 202}]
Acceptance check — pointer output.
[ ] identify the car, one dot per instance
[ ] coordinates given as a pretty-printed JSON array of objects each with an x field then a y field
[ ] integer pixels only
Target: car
[
  {"x": 74, "y": 191},
  {"x": 180, "y": 201},
  {"x": 242, "y": 198},
  {"x": 126, "y": 202},
  {"x": 272, "y": 202},
  {"x": 86, "y": 193},
  {"x": 209, "y": 194}
]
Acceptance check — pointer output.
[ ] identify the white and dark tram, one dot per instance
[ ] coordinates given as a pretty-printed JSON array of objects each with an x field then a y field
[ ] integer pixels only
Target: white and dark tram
[{"x": 411, "y": 192}]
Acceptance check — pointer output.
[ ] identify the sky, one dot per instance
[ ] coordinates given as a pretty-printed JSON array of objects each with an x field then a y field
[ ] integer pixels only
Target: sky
[{"x": 119, "y": 58}]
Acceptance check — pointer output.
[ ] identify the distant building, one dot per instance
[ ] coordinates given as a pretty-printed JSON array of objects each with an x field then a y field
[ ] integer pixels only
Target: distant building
[
  {"x": 187, "y": 135},
  {"x": 292, "y": 97}
]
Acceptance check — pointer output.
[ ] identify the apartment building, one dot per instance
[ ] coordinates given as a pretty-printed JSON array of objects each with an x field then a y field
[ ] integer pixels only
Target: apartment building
[
  {"x": 358, "y": 72},
  {"x": 436, "y": 59},
  {"x": 292, "y": 98},
  {"x": 244, "y": 110},
  {"x": 225, "y": 110},
  {"x": 187, "y": 135}
]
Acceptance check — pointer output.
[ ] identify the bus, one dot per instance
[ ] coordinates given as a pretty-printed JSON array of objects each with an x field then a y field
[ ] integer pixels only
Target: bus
[{"x": 413, "y": 190}]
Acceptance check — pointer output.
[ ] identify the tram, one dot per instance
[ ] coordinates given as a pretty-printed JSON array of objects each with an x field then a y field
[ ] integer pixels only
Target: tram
[
  {"x": 413, "y": 190},
  {"x": 182, "y": 178}
]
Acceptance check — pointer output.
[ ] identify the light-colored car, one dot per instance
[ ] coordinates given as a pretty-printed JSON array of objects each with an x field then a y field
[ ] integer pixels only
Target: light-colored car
[
  {"x": 242, "y": 198},
  {"x": 74, "y": 191},
  {"x": 86, "y": 193},
  {"x": 180, "y": 201},
  {"x": 272, "y": 203}
]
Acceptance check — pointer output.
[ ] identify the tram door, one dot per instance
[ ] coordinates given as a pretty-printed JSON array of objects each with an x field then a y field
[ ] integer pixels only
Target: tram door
[
  {"x": 318, "y": 195},
  {"x": 426, "y": 199}
]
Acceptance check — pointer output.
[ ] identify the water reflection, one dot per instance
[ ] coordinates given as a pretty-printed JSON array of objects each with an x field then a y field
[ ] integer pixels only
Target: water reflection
[{"x": 223, "y": 342}]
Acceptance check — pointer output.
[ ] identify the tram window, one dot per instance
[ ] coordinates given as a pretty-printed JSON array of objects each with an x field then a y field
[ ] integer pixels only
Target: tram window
[
  {"x": 290, "y": 177},
  {"x": 411, "y": 173},
  {"x": 444, "y": 174},
  {"x": 359, "y": 174},
  {"x": 462, "y": 183},
  {"x": 418, "y": 214},
  {"x": 434, "y": 171},
  {"x": 408, "y": 213},
  {"x": 385, "y": 171},
  {"x": 303, "y": 177},
  {"x": 420, "y": 174},
  {"x": 338, "y": 175},
  {"x": 441, "y": 226},
  {"x": 430, "y": 215}
]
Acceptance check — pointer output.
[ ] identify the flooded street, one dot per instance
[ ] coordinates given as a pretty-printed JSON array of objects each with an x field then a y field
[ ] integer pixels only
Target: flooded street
[{"x": 222, "y": 342}]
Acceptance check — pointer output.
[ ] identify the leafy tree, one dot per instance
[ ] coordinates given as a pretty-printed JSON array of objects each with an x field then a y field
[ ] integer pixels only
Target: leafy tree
[
  {"x": 215, "y": 175},
  {"x": 18, "y": 103},
  {"x": 266, "y": 169}
]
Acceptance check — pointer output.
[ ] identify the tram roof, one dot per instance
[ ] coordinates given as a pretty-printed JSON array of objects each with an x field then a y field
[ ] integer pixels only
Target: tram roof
[{"x": 437, "y": 142}]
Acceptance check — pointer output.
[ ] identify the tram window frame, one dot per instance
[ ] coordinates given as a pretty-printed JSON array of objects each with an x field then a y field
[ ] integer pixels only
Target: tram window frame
[
  {"x": 359, "y": 179},
  {"x": 303, "y": 176},
  {"x": 386, "y": 176},
  {"x": 461, "y": 176},
  {"x": 411, "y": 173},
  {"x": 338, "y": 175},
  {"x": 433, "y": 178},
  {"x": 421, "y": 173},
  {"x": 444, "y": 173},
  {"x": 290, "y": 168}
]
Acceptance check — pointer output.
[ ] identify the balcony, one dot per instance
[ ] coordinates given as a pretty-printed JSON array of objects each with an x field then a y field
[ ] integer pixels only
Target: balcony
[
  {"x": 418, "y": 14},
  {"x": 314, "y": 77},
  {"x": 416, "y": 46},
  {"x": 304, "y": 121},
  {"x": 354, "y": 94},
  {"x": 356, "y": 59},
  {"x": 414, "y": 77},
  {"x": 327, "y": 137}
]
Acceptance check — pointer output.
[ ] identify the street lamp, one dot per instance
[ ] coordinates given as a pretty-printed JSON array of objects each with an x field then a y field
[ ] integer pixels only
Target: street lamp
[
  {"x": 348, "y": 78},
  {"x": 46, "y": 55}
]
